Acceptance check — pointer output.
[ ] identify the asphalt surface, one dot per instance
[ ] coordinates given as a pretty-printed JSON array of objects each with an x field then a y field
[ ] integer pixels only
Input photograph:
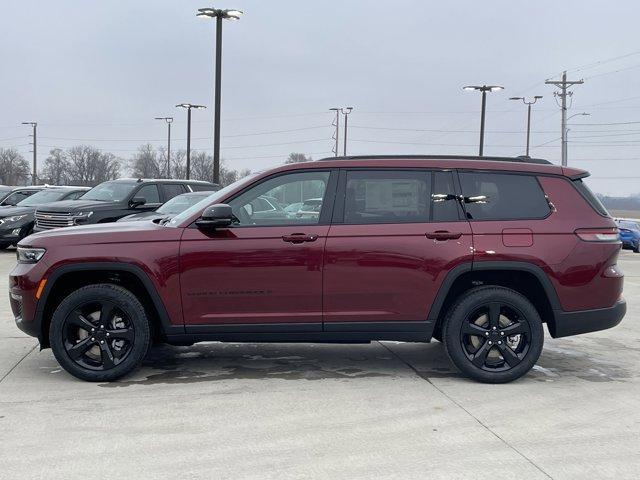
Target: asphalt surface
[{"x": 294, "y": 411}]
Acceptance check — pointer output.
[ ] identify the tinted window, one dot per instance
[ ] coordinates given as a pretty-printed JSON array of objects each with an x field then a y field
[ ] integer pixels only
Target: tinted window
[
  {"x": 387, "y": 197},
  {"x": 149, "y": 193},
  {"x": 502, "y": 196},
  {"x": 110, "y": 191},
  {"x": 172, "y": 190},
  {"x": 444, "y": 204},
  {"x": 198, "y": 187},
  {"x": 265, "y": 203},
  {"x": 16, "y": 197},
  {"x": 594, "y": 201}
]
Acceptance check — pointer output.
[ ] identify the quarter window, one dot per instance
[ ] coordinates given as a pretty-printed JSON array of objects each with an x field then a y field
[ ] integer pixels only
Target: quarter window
[
  {"x": 172, "y": 190},
  {"x": 280, "y": 200},
  {"x": 387, "y": 197},
  {"x": 503, "y": 196}
]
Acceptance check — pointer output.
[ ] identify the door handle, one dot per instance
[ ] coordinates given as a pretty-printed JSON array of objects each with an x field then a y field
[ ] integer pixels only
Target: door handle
[
  {"x": 299, "y": 238},
  {"x": 443, "y": 235}
]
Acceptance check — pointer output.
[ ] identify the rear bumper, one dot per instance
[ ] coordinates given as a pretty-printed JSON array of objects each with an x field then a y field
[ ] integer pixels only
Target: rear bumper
[{"x": 584, "y": 321}]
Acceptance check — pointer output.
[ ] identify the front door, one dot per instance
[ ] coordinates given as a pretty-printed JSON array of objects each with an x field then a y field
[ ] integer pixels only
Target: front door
[
  {"x": 393, "y": 239},
  {"x": 267, "y": 267}
]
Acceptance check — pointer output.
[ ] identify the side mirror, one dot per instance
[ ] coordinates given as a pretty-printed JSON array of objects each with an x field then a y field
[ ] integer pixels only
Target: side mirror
[
  {"x": 215, "y": 216},
  {"x": 137, "y": 201}
]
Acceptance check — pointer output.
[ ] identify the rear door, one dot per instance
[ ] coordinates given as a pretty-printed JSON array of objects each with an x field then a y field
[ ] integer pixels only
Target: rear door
[{"x": 395, "y": 235}]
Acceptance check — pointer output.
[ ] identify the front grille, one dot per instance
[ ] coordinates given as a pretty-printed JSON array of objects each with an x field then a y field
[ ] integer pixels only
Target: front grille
[{"x": 49, "y": 220}]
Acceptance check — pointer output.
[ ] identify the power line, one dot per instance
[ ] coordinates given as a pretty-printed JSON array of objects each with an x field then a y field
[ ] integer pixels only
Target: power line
[{"x": 602, "y": 62}]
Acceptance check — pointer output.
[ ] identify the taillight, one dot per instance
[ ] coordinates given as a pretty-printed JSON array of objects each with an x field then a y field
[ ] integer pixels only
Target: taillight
[{"x": 598, "y": 234}]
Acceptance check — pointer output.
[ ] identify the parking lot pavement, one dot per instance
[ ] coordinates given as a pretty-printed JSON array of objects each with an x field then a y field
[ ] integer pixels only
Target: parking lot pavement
[{"x": 384, "y": 410}]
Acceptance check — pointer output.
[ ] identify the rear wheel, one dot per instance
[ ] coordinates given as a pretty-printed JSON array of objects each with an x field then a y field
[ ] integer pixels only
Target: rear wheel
[
  {"x": 99, "y": 333},
  {"x": 636, "y": 247},
  {"x": 493, "y": 334}
]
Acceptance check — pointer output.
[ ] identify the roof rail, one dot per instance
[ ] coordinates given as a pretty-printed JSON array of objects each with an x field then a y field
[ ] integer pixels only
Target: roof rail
[{"x": 520, "y": 159}]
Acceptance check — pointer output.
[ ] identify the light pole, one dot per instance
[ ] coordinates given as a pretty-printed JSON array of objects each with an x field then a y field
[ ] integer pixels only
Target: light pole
[
  {"x": 337, "y": 132},
  {"x": 484, "y": 89},
  {"x": 345, "y": 111},
  {"x": 528, "y": 104},
  {"x": 168, "y": 120},
  {"x": 219, "y": 15},
  {"x": 189, "y": 106},
  {"x": 565, "y": 140},
  {"x": 34, "y": 125}
]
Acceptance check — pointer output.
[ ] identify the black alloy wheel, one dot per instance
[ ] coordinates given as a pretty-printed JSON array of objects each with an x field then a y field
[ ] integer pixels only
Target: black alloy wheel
[
  {"x": 100, "y": 332},
  {"x": 493, "y": 334}
]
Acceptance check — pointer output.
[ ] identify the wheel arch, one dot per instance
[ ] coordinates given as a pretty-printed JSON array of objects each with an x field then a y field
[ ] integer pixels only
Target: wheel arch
[
  {"x": 67, "y": 278},
  {"x": 523, "y": 277}
]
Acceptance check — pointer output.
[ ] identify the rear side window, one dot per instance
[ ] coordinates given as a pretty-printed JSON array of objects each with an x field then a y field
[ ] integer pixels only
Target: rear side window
[
  {"x": 198, "y": 187},
  {"x": 503, "y": 196},
  {"x": 445, "y": 204},
  {"x": 588, "y": 195},
  {"x": 172, "y": 190},
  {"x": 387, "y": 197}
]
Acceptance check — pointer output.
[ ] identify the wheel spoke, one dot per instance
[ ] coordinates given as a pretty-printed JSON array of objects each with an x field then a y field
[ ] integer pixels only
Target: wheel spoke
[
  {"x": 515, "y": 329},
  {"x": 80, "y": 348},
  {"x": 122, "y": 334},
  {"x": 107, "y": 356},
  {"x": 509, "y": 355},
  {"x": 481, "y": 354},
  {"x": 494, "y": 315},
  {"x": 79, "y": 320},
  {"x": 107, "y": 311},
  {"x": 470, "y": 328}
]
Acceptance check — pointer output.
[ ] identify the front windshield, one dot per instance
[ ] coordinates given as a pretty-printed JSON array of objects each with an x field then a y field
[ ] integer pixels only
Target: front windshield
[
  {"x": 180, "y": 204},
  {"x": 44, "y": 196},
  {"x": 110, "y": 191},
  {"x": 215, "y": 197}
]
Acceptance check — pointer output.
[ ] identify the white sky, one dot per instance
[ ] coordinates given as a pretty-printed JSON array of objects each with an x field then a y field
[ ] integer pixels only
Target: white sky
[{"x": 99, "y": 72}]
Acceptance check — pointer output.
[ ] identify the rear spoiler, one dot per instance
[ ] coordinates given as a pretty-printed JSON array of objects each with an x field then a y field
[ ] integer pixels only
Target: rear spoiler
[{"x": 575, "y": 173}]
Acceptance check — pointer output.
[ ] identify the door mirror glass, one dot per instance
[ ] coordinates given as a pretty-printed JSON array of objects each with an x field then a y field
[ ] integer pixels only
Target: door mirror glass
[
  {"x": 137, "y": 201},
  {"x": 215, "y": 216}
]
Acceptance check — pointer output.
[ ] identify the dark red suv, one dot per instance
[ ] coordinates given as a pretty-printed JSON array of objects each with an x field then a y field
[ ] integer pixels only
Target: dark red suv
[{"x": 475, "y": 252}]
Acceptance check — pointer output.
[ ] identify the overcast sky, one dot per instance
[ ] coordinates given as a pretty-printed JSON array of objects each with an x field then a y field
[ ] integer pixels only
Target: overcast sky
[{"x": 99, "y": 72}]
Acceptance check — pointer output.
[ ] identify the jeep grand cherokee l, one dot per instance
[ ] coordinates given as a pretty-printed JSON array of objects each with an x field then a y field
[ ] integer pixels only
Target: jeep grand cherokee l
[
  {"x": 113, "y": 200},
  {"x": 476, "y": 252}
]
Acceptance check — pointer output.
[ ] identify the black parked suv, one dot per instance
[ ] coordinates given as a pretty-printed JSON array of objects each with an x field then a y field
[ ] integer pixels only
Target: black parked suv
[{"x": 113, "y": 200}]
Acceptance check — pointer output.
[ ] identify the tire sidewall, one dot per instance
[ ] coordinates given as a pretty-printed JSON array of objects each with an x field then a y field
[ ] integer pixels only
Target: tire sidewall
[
  {"x": 465, "y": 307},
  {"x": 126, "y": 301}
]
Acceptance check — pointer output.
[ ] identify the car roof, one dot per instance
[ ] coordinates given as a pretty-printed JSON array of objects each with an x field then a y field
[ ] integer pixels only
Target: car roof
[
  {"x": 517, "y": 164},
  {"x": 163, "y": 180}
]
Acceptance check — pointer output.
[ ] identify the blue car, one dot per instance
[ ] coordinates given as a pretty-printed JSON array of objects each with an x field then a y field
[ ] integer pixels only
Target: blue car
[{"x": 629, "y": 234}]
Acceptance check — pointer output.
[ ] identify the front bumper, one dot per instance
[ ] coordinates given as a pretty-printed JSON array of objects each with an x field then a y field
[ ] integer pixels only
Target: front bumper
[{"x": 584, "y": 321}]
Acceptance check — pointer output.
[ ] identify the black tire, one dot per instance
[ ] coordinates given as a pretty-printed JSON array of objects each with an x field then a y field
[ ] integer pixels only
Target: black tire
[
  {"x": 636, "y": 249},
  {"x": 476, "y": 334},
  {"x": 94, "y": 348},
  {"x": 4, "y": 246}
]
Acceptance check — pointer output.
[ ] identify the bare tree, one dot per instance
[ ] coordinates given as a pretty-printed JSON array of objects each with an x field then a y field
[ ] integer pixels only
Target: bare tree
[
  {"x": 56, "y": 168},
  {"x": 146, "y": 163},
  {"x": 14, "y": 169},
  {"x": 298, "y": 158},
  {"x": 90, "y": 166}
]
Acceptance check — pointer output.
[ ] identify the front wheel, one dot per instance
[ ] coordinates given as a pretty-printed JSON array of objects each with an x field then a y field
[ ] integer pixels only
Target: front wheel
[
  {"x": 99, "y": 333},
  {"x": 493, "y": 334}
]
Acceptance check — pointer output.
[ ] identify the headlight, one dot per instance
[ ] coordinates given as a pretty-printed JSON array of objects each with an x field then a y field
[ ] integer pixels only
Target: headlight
[
  {"x": 29, "y": 255},
  {"x": 15, "y": 218},
  {"x": 81, "y": 217}
]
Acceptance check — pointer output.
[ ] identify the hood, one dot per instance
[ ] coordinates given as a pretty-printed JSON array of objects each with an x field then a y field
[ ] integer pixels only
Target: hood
[
  {"x": 103, "y": 233},
  {"x": 136, "y": 217},
  {"x": 13, "y": 211},
  {"x": 76, "y": 206}
]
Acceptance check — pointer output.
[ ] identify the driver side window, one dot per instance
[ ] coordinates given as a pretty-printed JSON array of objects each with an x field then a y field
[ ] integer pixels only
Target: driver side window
[{"x": 281, "y": 200}]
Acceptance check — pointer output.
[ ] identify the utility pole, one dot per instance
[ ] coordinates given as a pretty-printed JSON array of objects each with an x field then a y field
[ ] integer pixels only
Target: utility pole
[
  {"x": 168, "y": 120},
  {"x": 336, "y": 135},
  {"x": 528, "y": 104},
  {"x": 563, "y": 85},
  {"x": 345, "y": 111},
  {"x": 34, "y": 125}
]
